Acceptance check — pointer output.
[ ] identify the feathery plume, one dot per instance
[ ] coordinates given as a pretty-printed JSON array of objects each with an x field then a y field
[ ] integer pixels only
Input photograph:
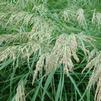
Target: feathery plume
[
  {"x": 95, "y": 64},
  {"x": 96, "y": 19},
  {"x": 80, "y": 17},
  {"x": 20, "y": 93}
]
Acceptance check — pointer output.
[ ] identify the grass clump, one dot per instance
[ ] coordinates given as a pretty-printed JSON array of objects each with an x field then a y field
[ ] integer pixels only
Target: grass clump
[{"x": 49, "y": 50}]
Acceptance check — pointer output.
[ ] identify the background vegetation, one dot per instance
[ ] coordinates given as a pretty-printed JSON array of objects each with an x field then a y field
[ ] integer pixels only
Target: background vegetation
[{"x": 50, "y": 50}]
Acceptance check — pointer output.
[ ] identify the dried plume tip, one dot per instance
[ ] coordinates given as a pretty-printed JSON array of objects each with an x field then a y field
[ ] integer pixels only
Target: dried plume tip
[{"x": 20, "y": 92}]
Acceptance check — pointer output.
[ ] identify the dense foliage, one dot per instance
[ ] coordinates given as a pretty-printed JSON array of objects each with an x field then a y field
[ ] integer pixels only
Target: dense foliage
[{"x": 50, "y": 50}]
